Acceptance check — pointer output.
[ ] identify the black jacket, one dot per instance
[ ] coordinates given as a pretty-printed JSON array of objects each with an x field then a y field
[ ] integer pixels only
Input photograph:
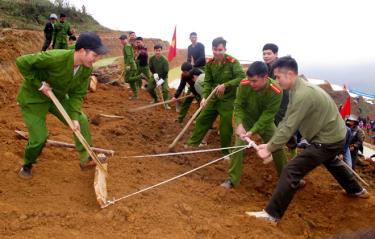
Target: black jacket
[{"x": 48, "y": 31}]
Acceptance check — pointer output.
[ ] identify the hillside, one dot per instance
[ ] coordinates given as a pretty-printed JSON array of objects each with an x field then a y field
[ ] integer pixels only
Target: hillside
[{"x": 33, "y": 14}]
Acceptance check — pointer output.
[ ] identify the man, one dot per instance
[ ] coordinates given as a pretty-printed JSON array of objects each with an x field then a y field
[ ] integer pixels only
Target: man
[
  {"x": 72, "y": 42},
  {"x": 62, "y": 31},
  {"x": 223, "y": 74},
  {"x": 356, "y": 139},
  {"x": 257, "y": 102},
  {"x": 189, "y": 76},
  {"x": 270, "y": 52},
  {"x": 48, "y": 31},
  {"x": 315, "y": 115},
  {"x": 131, "y": 72},
  {"x": 196, "y": 54},
  {"x": 142, "y": 61},
  {"x": 67, "y": 73},
  {"x": 159, "y": 68}
]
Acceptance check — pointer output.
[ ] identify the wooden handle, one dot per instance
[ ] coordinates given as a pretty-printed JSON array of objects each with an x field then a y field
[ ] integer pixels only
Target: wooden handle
[
  {"x": 173, "y": 144},
  {"x": 153, "y": 105},
  {"x": 77, "y": 133}
]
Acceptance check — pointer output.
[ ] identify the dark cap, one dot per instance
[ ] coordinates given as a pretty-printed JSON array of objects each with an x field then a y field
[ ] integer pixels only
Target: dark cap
[
  {"x": 123, "y": 37},
  {"x": 91, "y": 41},
  {"x": 62, "y": 15}
]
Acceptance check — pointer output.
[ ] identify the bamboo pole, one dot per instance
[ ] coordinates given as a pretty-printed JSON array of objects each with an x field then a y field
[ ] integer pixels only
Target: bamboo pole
[
  {"x": 153, "y": 105},
  {"x": 76, "y": 132},
  {"x": 173, "y": 144}
]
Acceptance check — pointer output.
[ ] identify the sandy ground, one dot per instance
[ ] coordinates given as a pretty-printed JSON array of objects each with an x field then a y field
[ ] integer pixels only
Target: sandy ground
[{"x": 59, "y": 201}]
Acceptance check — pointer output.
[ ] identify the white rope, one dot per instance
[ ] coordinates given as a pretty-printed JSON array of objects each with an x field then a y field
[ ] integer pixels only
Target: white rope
[
  {"x": 251, "y": 144},
  {"x": 184, "y": 152}
]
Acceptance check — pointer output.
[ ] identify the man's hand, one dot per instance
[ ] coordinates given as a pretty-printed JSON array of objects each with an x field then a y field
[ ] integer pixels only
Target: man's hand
[
  {"x": 76, "y": 126},
  {"x": 191, "y": 95},
  {"x": 263, "y": 151},
  {"x": 174, "y": 99},
  {"x": 220, "y": 90},
  {"x": 340, "y": 157},
  {"x": 127, "y": 68},
  {"x": 203, "y": 102},
  {"x": 45, "y": 89}
]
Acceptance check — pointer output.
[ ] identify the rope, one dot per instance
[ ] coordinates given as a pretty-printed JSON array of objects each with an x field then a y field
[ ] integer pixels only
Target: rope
[
  {"x": 184, "y": 152},
  {"x": 251, "y": 144}
]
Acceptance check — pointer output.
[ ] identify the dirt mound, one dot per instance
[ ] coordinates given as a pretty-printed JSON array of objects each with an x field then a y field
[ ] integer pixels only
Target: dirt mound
[{"x": 59, "y": 201}]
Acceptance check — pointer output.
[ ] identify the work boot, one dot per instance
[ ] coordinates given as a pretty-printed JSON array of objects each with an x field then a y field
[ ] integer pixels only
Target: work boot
[
  {"x": 25, "y": 171},
  {"x": 88, "y": 164},
  {"x": 362, "y": 194},
  {"x": 263, "y": 215},
  {"x": 227, "y": 184}
]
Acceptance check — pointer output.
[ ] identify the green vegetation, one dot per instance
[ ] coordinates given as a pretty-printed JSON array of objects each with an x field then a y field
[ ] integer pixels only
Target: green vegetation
[{"x": 33, "y": 14}]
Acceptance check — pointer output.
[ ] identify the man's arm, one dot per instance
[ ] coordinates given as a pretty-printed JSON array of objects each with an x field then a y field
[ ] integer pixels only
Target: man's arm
[
  {"x": 268, "y": 115},
  {"x": 201, "y": 59},
  {"x": 180, "y": 88},
  {"x": 189, "y": 55},
  {"x": 28, "y": 65},
  {"x": 165, "y": 68},
  {"x": 239, "y": 105},
  {"x": 76, "y": 97},
  {"x": 208, "y": 82},
  {"x": 151, "y": 65},
  {"x": 297, "y": 111},
  {"x": 238, "y": 75}
]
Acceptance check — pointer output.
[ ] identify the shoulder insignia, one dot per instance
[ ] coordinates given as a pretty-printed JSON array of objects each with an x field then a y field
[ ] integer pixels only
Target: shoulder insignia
[
  {"x": 231, "y": 59},
  {"x": 275, "y": 89},
  {"x": 245, "y": 82}
]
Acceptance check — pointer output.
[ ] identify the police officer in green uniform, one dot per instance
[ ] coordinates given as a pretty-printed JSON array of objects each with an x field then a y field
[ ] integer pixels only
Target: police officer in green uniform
[
  {"x": 61, "y": 33},
  {"x": 131, "y": 72},
  {"x": 67, "y": 73},
  {"x": 257, "y": 102},
  {"x": 313, "y": 112},
  {"x": 225, "y": 73},
  {"x": 159, "y": 67}
]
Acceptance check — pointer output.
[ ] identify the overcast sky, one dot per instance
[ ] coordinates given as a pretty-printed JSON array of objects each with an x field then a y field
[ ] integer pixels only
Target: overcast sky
[{"x": 315, "y": 32}]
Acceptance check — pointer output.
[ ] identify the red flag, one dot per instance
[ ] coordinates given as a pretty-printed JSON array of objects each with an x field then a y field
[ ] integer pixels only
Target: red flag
[
  {"x": 345, "y": 110},
  {"x": 172, "y": 47}
]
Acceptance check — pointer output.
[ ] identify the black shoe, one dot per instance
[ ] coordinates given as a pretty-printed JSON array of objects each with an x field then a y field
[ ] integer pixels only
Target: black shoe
[{"x": 25, "y": 171}]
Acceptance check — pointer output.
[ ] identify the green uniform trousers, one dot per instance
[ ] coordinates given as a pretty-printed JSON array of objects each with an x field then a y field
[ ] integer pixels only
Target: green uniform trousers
[
  {"x": 207, "y": 117},
  {"x": 34, "y": 116},
  {"x": 185, "y": 106},
  {"x": 236, "y": 163},
  {"x": 151, "y": 88},
  {"x": 145, "y": 70},
  {"x": 132, "y": 77}
]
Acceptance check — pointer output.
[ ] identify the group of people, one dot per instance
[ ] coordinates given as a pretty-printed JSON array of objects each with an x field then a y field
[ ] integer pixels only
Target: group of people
[
  {"x": 269, "y": 100},
  {"x": 58, "y": 33},
  {"x": 272, "y": 101}
]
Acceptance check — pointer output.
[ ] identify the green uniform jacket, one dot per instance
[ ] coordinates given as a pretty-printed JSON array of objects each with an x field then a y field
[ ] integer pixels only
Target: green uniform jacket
[
  {"x": 129, "y": 56},
  {"x": 159, "y": 66},
  {"x": 60, "y": 35},
  {"x": 311, "y": 111},
  {"x": 229, "y": 71},
  {"x": 257, "y": 109},
  {"x": 56, "y": 68}
]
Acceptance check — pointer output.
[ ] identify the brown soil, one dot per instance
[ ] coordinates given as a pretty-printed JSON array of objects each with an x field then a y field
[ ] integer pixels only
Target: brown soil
[{"x": 59, "y": 201}]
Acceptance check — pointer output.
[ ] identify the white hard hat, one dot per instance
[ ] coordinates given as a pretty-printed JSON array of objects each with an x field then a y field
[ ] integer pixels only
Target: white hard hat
[{"x": 53, "y": 16}]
